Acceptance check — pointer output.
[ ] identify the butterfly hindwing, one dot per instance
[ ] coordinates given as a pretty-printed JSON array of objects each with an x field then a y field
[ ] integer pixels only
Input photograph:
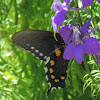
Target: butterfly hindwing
[
  {"x": 56, "y": 70},
  {"x": 40, "y": 43}
]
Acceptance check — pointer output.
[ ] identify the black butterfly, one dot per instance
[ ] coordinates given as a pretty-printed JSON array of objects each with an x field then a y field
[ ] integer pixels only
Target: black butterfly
[{"x": 46, "y": 48}]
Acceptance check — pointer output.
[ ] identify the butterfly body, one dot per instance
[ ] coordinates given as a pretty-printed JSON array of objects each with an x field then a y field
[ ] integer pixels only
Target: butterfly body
[{"x": 44, "y": 46}]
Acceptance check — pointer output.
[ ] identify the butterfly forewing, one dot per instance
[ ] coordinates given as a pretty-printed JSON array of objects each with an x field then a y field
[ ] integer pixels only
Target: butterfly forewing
[{"x": 40, "y": 43}]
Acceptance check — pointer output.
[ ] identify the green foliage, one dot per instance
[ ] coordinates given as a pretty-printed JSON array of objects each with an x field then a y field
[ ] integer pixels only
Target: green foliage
[
  {"x": 93, "y": 80},
  {"x": 22, "y": 75}
]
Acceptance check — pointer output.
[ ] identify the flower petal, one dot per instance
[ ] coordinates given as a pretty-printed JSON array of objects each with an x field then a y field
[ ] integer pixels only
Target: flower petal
[
  {"x": 84, "y": 28},
  {"x": 55, "y": 26},
  {"x": 79, "y": 53},
  {"x": 67, "y": 1},
  {"x": 69, "y": 51},
  {"x": 59, "y": 18},
  {"x": 90, "y": 32},
  {"x": 65, "y": 32},
  {"x": 86, "y": 3},
  {"x": 57, "y": 5},
  {"x": 98, "y": 1},
  {"x": 91, "y": 45}
]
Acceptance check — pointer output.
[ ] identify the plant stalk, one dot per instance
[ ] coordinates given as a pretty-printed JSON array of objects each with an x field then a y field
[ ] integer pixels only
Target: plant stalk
[{"x": 78, "y": 14}]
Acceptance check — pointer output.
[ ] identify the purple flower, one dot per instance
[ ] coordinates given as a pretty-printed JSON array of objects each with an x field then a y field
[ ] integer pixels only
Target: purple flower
[
  {"x": 66, "y": 29},
  {"x": 61, "y": 9},
  {"x": 58, "y": 6},
  {"x": 88, "y": 2},
  {"x": 67, "y": 1},
  {"x": 98, "y": 53},
  {"x": 80, "y": 44}
]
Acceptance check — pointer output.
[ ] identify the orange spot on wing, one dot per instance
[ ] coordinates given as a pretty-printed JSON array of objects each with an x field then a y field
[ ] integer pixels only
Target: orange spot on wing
[
  {"x": 52, "y": 76},
  {"x": 62, "y": 77},
  {"x": 58, "y": 52},
  {"x": 56, "y": 80},
  {"x": 66, "y": 70},
  {"x": 51, "y": 70},
  {"x": 52, "y": 62}
]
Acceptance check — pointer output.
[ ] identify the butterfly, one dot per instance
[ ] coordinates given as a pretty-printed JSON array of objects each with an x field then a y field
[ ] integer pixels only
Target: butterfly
[{"x": 43, "y": 45}]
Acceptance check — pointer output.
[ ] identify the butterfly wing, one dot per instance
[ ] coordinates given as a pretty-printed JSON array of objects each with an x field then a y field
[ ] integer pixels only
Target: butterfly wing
[
  {"x": 56, "y": 70},
  {"x": 40, "y": 43},
  {"x": 43, "y": 45}
]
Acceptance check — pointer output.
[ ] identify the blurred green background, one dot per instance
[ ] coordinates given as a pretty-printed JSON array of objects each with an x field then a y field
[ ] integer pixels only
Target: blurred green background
[{"x": 22, "y": 75}]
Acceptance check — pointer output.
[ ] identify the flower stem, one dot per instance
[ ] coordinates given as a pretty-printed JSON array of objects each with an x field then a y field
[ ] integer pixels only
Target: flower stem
[
  {"x": 96, "y": 62},
  {"x": 78, "y": 14}
]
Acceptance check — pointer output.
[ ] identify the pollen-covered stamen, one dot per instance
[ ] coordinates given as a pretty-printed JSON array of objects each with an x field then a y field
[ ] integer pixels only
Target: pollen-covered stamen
[{"x": 76, "y": 35}]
